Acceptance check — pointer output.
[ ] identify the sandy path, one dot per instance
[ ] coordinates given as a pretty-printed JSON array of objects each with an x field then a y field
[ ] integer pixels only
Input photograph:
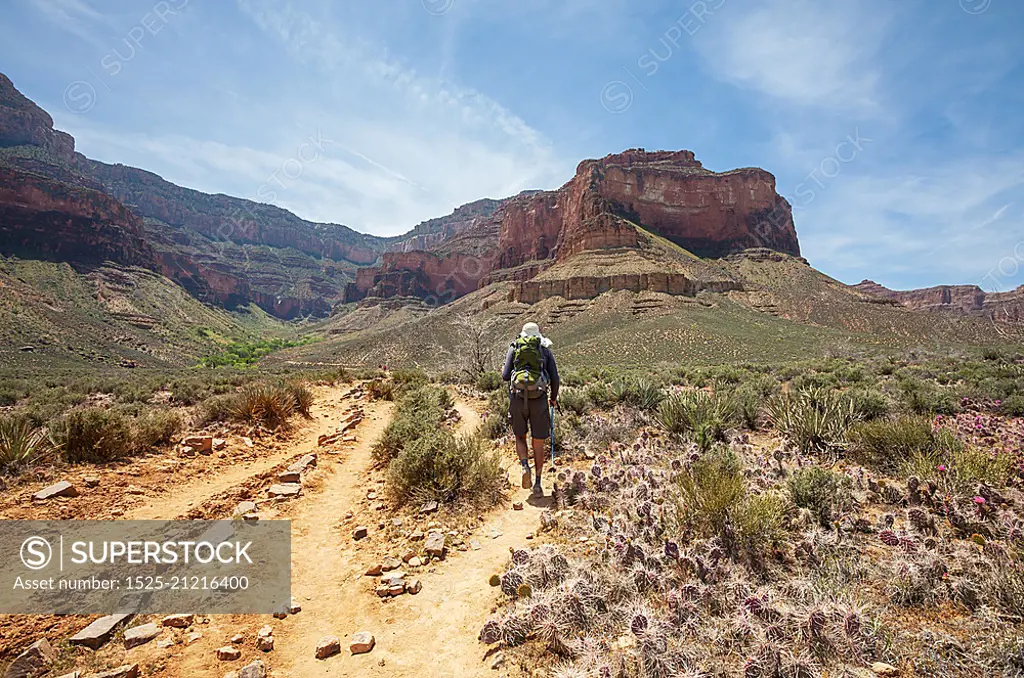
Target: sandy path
[
  {"x": 200, "y": 487},
  {"x": 432, "y": 633}
]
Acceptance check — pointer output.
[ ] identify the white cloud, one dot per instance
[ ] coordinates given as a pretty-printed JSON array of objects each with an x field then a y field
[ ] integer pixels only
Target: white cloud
[
  {"x": 802, "y": 52},
  {"x": 74, "y": 16}
]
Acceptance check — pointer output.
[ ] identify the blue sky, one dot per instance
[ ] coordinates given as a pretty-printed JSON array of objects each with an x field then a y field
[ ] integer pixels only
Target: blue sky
[{"x": 894, "y": 128}]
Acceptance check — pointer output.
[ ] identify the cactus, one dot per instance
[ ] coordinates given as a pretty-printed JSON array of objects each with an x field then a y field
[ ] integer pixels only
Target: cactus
[
  {"x": 889, "y": 538},
  {"x": 515, "y": 631},
  {"x": 639, "y": 623},
  {"x": 510, "y": 583},
  {"x": 520, "y": 557},
  {"x": 524, "y": 591},
  {"x": 814, "y": 626},
  {"x": 495, "y": 580},
  {"x": 490, "y": 633}
]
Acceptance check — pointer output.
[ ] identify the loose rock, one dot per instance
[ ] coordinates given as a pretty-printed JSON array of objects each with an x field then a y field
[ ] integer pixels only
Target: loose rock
[
  {"x": 140, "y": 635},
  {"x": 265, "y": 643},
  {"x": 256, "y": 669},
  {"x": 374, "y": 571},
  {"x": 285, "y": 490},
  {"x": 362, "y": 642},
  {"x": 414, "y": 587},
  {"x": 32, "y": 661},
  {"x": 517, "y": 506},
  {"x": 360, "y": 532},
  {"x": 228, "y": 653},
  {"x": 61, "y": 489},
  {"x": 435, "y": 545},
  {"x": 328, "y": 647},
  {"x": 391, "y": 564},
  {"x": 91, "y": 481},
  {"x": 289, "y": 477},
  {"x": 96, "y": 634},
  {"x": 883, "y": 669}
]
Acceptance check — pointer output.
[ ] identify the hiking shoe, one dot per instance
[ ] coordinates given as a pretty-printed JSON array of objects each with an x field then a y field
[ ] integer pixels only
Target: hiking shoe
[
  {"x": 537, "y": 489},
  {"x": 526, "y": 477}
]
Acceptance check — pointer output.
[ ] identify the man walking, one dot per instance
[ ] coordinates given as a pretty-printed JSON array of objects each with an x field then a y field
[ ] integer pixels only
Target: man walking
[{"x": 533, "y": 385}]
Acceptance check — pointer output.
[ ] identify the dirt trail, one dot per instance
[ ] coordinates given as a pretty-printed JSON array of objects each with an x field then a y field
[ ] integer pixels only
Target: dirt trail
[
  {"x": 201, "y": 487},
  {"x": 432, "y": 633}
]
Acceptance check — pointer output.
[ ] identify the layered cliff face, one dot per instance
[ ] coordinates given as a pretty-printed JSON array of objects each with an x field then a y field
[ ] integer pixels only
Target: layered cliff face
[
  {"x": 607, "y": 206},
  {"x": 971, "y": 299},
  {"x": 22, "y": 123},
  {"x": 433, "y": 232},
  {"x": 48, "y": 219}
]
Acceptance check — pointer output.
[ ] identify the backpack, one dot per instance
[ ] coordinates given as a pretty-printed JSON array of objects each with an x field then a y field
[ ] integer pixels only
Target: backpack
[{"x": 528, "y": 366}]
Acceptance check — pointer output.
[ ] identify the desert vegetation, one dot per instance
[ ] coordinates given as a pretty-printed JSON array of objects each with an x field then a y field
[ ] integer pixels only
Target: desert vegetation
[{"x": 784, "y": 520}]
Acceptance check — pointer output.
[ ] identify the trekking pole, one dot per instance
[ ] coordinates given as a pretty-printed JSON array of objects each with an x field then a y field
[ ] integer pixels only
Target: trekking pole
[{"x": 551, "y": 418}]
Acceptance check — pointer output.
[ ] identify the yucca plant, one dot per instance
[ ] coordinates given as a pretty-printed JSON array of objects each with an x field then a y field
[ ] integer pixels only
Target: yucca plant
[
  {"x": 699, "y": 415},
  {"x": 302, "y": 397},
  {"x": 264, "y": 405},
  {"x": 814, "y": 420},
  {"x": 22, "y": 445}
]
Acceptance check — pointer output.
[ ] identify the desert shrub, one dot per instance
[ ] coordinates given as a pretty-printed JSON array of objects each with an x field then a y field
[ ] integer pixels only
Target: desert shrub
[
  {"x": 488, "y": 381},
  {"x": 749, "y": 401},
  {"x": 698, "y": 415},
  {"x": 573, "y": 400},
  {"x": 446, "y": 468},
  {"x": 713, "y": 502},
  {"x": 958, "y": 467},
  {"x": 815, "y": 381},
  {"x": 600, "y": 430},
  {"x": 1003, "y": 587},
  {"x": 886, "y": 443},
  {"x": 921, "y": 397},
  {"x": 217, "y": 408},
  {"x": 408, "y": 379},
  {"x": 381, "y": 389},
  {"x": 824, "y": 493},
  {"x": 870, "y": 403},
  {"x": 496, "y": 422},
  {"x": 156, "y": 427},
  {"x": 417, "y": 413},
  {"x": 1012, "y": 406},
  {"x": 263, "y": 404},
  {"x": 599, "y": 394},
  {"x": 94, "y": 435},
  {"x": 9, "y": 396},
  {"x": 816, "y": 421},
  {"x": 567, "y": 431},
  {"x": 187, "y": 392},
  {"x": 22, "y": 444}
]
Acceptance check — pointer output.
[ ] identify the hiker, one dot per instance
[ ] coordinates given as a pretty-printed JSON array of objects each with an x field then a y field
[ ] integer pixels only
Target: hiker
[{"x": 531, "y": 373}]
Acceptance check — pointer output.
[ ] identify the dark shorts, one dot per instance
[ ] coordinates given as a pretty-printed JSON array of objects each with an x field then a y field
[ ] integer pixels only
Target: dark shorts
[{"x": 530, "y": 413}]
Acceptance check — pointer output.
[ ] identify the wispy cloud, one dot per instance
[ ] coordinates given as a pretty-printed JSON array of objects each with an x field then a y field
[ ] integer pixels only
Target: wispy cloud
[
  {"x": 74, "y": 16},
  {"x": 800, "y": 52}
]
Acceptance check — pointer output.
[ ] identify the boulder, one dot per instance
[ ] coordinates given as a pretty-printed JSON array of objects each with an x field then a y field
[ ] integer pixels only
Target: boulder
[
  {"x": 328, "y": 647},
  {"x": 61, "y": 489},
  {"x": 33, "y": 661},
  {"x": 140, "y": 635},
  {"x": 98, "y": 633},
  {"x": 362, "y": 642}
]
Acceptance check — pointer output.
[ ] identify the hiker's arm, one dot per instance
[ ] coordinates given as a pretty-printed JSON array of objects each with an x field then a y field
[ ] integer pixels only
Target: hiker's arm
[
  {"x": 552, "y": 370},
  {"x": 506, "y": 372}
]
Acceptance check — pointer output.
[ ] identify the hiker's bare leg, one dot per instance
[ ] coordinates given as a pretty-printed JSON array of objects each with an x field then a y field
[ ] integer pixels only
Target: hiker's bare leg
[
  {"x": 521, "y": 449},
  {"x": 539, "y": 449}
]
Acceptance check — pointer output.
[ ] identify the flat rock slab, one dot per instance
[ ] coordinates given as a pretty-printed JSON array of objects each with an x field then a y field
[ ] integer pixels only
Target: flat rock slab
[
  {"x": 140, "y": 635},
  {"x": 245, "y": 507},
  {"x": 435, "y": 544},
  {"x": 289, "y": 477},
  {"x": 61, "y": 489},
  {"x": 328, "y": 647},
  {"x": 285, "y": 490},
  {"x": 429, "y": 507},
  {"x": 362, "y": 642},
  {"x": 123, "y": 671},
  {"x": 202, "y": 444},
  {"x": 474, "y": 544},
  {"x": 96, "y": 634},
  {"x": 33, "y": 661},
  {"x": 306, "y": 462}
]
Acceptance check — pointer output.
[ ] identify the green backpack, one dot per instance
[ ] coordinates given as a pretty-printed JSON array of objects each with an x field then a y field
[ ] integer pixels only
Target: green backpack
[{"x": 528, "y": 366}]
